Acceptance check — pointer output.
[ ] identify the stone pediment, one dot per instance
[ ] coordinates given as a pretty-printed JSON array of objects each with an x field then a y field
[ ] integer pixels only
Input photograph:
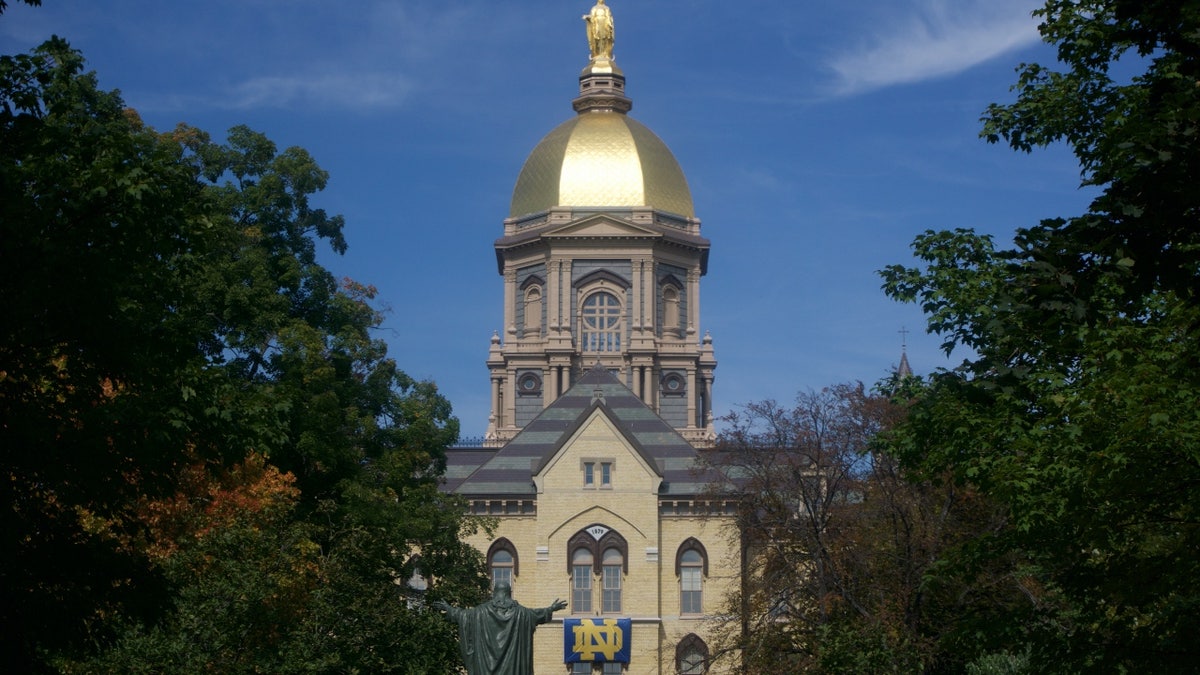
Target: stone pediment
[{"x": 600, "y": 226}]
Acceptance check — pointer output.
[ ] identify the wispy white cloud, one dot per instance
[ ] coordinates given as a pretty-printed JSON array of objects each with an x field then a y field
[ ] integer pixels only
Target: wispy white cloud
[
  {"x": 936, "y": 38},
  {"x": 340, "y": 90},
  {"x": 362, "y": 92}
]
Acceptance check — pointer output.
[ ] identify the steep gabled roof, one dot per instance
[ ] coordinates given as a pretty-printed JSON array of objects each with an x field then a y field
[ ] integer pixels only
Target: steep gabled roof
[{"x": 510, "y": 470}]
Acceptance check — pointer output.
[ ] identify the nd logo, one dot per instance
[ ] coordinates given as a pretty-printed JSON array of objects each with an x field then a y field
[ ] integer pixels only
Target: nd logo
[{"x": 598, "y": 636}]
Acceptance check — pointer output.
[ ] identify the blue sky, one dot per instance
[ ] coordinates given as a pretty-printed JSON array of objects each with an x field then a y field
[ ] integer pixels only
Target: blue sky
[{"x": 818, "y": 139}]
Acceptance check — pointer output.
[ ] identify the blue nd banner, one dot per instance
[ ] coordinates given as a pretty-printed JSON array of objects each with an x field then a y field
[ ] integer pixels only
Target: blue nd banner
[{"x": 597, "y": 640}]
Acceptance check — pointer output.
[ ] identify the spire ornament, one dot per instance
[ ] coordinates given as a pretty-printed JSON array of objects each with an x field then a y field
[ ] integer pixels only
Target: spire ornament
[
  {"x": 600, "y": 31},
  {"x": 601, "y": 84},
  {"x": 904, "y": 370}
]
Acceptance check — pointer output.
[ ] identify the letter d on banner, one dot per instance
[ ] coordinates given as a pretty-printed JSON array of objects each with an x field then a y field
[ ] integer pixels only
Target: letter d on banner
[{"x": 596, "y": 640}]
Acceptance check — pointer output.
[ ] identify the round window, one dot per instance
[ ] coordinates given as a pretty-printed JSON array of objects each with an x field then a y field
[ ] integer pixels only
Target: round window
[
  {"x": 673, "y": 384},
  {"x": 529, "y": 383}
]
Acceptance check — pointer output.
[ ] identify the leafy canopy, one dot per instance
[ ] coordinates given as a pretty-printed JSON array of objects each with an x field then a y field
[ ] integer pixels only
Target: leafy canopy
[
  {"x": 1076, "y": 408},
  {"x": 838, "y": 538},
  {"x": 210, "y": 465}
]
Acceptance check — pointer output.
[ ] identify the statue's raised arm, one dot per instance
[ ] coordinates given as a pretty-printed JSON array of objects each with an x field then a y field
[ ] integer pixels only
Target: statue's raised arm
[
  {"x": 496, "y": 638},
  {"x": 600, "y": 31}
]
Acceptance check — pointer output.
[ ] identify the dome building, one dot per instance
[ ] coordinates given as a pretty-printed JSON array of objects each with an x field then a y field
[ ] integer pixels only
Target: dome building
[
  {"x": 602, "y": 258},
  {"x": 601, "y": 392}
]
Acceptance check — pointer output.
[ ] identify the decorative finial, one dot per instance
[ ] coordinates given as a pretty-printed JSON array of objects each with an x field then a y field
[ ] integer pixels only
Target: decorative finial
[
  {"x": 600, "y": 31},
  {"x": 601, "y": 84},
  {"x": 903, "y": 338}
]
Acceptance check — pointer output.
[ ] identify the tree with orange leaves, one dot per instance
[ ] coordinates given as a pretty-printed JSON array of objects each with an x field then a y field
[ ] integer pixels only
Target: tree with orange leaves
[{"x": 209, "y": 464}]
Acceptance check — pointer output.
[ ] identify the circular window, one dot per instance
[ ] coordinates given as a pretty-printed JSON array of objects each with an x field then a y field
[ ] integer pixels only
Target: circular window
[
  {"x": 673, "y": 383},
  {"x": 529, "y": 383}
]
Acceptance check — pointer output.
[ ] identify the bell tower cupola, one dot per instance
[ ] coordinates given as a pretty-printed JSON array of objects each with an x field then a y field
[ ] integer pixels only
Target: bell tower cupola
[{"x": 601, "y": 258}]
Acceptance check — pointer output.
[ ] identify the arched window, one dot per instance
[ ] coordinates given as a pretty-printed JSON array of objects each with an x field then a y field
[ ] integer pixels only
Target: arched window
[
  {"x": 597, "y": 551},
  {"x": 691, "y": 564},
  {"x": 502, "y": 562},
  {"x": 533, "y": 311},
  {"x": 601, "y": 319},
  {"x": 611, "y": 583},
  {"x": 670, "y": 309},
  {"x": 502, "y": 567},
  {"x": 581, "y": 581},
  {"x": 691, "y": 583},
  {"x": 691, "y": 655}
]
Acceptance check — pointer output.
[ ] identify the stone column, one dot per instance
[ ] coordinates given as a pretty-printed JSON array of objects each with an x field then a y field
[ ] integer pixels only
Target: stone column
[
  {"x": 649, "y": 320},
  {"x": 552, "y": 299},
  {"x": 648, "y": 388},
  {"x": 708, "y": 382},
  {"x": 496, "y": 412},
  {"x": 510, "y": 300},
  {"x": 693, "y": 291},
  {"x": 566, "y": 317},
  {"x": 509, "y": 394},
  {"x": 694, "y": 384}
]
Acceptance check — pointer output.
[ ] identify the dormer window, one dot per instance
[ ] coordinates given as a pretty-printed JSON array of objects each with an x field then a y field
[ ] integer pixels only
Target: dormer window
[{"x": 597, "y": 473}]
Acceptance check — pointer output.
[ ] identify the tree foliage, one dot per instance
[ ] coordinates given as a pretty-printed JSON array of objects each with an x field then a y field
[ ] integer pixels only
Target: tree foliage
[
  {"x": 1077, "y": 407},
  {"x": 209, "y": 462},
  {"x": 31, "y": 3},
  {"x": 838, "y": 539}
]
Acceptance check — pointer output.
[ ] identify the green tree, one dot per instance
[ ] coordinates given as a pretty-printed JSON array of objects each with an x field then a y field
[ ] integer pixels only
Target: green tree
[
  {"x": 1076, "y": 408},
  {"x": 168, "y": 329},
  {"x": 99, "y": 236},
  {"x": 838, "y": 538}
]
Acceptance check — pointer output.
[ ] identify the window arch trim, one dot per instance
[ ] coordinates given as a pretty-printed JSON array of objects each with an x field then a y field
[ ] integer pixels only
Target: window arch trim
[
  {"x": 602, "y": 275},
  {"x": 611, "y": 539},
  {"x": 690, "y": 643},
  {"x": 503, "y": 544},
  {"x": 691, "y": 544}
]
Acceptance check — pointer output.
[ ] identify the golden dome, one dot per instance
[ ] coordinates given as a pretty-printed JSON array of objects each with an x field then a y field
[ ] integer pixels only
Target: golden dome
[{"x": 601, "y": 159}]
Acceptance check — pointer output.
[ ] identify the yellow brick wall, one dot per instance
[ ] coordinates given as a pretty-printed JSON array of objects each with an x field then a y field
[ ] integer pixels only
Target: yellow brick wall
[{"x": 650, "y": 590}]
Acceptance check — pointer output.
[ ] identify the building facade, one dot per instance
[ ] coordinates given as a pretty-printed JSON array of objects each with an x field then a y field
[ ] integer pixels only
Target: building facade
[{"x": 601, "y": 389}]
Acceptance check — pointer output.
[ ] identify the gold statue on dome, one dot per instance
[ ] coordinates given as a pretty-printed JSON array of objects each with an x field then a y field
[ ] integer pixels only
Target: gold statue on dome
[{"x": 600, "y": 31}]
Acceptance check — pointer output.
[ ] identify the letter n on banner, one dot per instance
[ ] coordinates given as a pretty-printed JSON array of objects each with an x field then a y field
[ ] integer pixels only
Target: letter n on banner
[{"x": 596, "y": 640}]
